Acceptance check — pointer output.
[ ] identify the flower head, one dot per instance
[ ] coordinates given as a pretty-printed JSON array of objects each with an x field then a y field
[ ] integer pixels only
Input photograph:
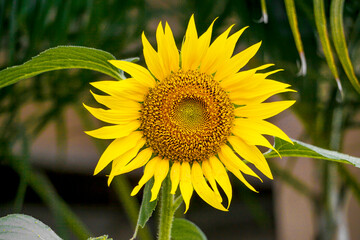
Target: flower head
[{"x": 193, "y": 115}]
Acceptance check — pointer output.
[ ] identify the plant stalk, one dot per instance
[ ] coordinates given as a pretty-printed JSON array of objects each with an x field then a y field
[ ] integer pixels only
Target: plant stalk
[{"x": 166, "y": 211}]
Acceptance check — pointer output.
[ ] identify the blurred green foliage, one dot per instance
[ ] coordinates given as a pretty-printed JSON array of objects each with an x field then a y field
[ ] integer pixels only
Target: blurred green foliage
[{"x": 30, "y": 27}]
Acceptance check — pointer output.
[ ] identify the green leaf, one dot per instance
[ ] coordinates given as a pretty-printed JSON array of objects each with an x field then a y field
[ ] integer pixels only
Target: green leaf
[
  {"x": 147, "y": 207},
  {"x": 264, "y": 17},
  {"x": 183, "y": 229},
  {"x": 337, "y": 30},
  {"x": 62, "y": 57},
  {"x": 300, "y": 149},
  {"x": 291, "y": 13},
  {"x": 19, "y": 226},
  {"x": 104, "y": 237},
  {"x": 350, "y": 181},
  {"x": 321, "y": 26}
]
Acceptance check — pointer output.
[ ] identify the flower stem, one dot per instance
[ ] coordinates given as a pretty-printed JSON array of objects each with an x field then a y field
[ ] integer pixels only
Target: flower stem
[{"x": 166, "y": 211}]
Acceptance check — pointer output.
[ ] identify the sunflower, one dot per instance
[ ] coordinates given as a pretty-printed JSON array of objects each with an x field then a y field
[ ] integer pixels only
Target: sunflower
[{"x": 191, "y": 115}]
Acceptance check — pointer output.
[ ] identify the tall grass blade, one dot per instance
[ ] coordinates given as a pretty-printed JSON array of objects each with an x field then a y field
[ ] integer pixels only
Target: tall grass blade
[{"x": 337, "y": 31}]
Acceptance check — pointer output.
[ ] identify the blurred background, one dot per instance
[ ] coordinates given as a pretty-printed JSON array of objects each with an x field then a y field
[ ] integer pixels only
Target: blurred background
[{"x": 47, "y": 162}]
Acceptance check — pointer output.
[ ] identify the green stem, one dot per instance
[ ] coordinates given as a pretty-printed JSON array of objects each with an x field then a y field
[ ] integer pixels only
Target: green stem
[{"x": 166, "y": 211}]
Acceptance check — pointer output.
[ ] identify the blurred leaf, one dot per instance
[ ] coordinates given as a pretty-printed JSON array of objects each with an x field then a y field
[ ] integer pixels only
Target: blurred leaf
[
  {"x": 264, "y": 17},
  {"x": 350, "y": 180},
  {"x": 147, "y": 207},
  {"x": 337, "y": 30},
  {"x": 122, "y": 188},
  {"x": 19, "y": 226},
  {"x": 300, "y": 149},
  {"x": 321, "y": 26},
  {"x": 2, "y": 10},
  {"x": 12, "y": 30},
  {"x": 291, "y": 13},
  {"x": 105, "y": 237},
  {"x": 183, "y": 229},
  {"x": 45, "y": 190},
  {"x": 24, "y": 166},
  {"x": 62, "y": 57}
]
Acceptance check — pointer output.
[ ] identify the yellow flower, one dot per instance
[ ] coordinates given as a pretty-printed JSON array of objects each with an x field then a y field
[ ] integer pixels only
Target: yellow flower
[{"x": 193, "y": 115}]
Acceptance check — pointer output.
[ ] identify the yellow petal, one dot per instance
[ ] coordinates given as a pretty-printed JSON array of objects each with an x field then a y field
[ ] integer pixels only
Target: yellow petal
[
  {"x": 171, "y": 49},
  {"x": 202, "y": 189},
  {"x": 136, "y": 71},
  {"x": 235, "y": 171},
  {"x": 186, "y": 187},
  {"x": 247, "y": 99},
  {"x": 148, "y": 173},
  {"x": 259, "y": 87},
  {"x": 227, "y": 155},
  {"x": 238, "y": 174},
  {"x": 265, "y": 75},
  {"x": 208, "y": 173},
  {"x": 152, "y": 59},
  {"x": 119, "y": 162},
  {"x": 242, "y": 77},
  {"x": 190, "y": 43},
  {"x": 262, "y": 110},
  {"x": 251, "y": 154},
  {"x": 214, "y": 56},
  {"x": 161, "y": 172},
  {"x": 118, "y": 147},
  {"x": 263, "y": 127},
  {"x": 202, "y": 47},
  {"x": 116, "y": 102},
  {"x": 234, "y": 64},
  {"x": 221, "y": 177},
  {"x": 114, "y": 116},
  {"x": 168, "y": 53},
  {"x": 140, "y": 160},
  {"x": 238, "y": 80},
  {"x": 116, "y": 131},
  {"x": 231, "y": 43},
  {"x": 260, "y": 90},
  {"x": 262, "y": 67},
  {"x": 175, "y": 176},
  {"x": 128, "y": 88},
  {"x": 251, "y": 137}
]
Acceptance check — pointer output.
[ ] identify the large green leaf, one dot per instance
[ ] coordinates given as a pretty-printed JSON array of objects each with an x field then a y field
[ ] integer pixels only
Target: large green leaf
[
  {"x": 183, "y": 229},
  {"x": 19, "y": 226},
  {"x": 300, "y": 149},
  {"x": 62, "y": 57}
]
